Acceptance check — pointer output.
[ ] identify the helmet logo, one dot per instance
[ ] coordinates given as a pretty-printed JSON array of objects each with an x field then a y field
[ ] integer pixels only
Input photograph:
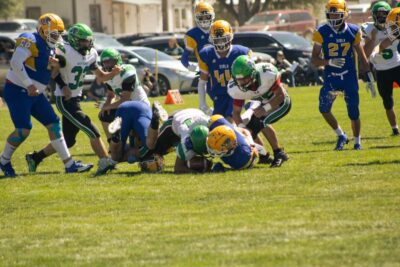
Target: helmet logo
[
  {"x": 45, "y": 20},
  {"x": 219, "y": 32},
  {"x": 74, "y": 30}
]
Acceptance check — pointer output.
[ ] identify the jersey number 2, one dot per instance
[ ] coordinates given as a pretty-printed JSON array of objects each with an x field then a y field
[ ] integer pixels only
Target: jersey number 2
[{"x": 333, "y": 49}]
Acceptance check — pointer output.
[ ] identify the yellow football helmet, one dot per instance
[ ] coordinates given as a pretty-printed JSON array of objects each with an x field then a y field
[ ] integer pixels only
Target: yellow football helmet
[
  {"x": 214, "y": 118},
  {"x": 336, "y": 12},
  {"x": 154, "y": 163},
  {"x": 393, "y": 24},
  {"x": 204, "y": 15},
  {"x": 221, "y": 35},
  {"x": 221, "y": 141},
  {"x": 50, "y": 27}
]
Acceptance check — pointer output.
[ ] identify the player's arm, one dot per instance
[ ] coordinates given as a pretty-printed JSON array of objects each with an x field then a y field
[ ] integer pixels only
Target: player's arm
[
  {"x": 190, "y": 47},
  {"x": 360, "y": 52},
  {"x": 274, "y": 103},
  {"x": 202, "y": 86},
  {"x": 102, "y": 76},
  {"x": 385, "y": 44},
  {"x": 128, "y": 86},
  {"x": 369, "y": 40},
  {"x": 237, "y": 109}
]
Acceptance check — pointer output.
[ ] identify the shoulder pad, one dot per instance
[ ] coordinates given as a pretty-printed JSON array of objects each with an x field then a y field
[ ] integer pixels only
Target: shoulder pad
[{"x": 27, "y": 43}]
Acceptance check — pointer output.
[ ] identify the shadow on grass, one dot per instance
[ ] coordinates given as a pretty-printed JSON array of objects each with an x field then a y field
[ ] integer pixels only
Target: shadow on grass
[
  {"x": 375, "y": 162},
  {"x": 29, "y": 174},
  {"x": 383, "y": 147}
]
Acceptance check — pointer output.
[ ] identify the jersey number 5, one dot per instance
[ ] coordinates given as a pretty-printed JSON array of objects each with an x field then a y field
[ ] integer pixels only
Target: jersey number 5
[
  {"x": 222, "y": 78},
  {"x": 334, "y": 47}
]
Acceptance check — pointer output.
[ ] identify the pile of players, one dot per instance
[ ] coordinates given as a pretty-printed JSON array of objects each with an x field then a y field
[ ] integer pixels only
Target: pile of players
[{"x": 229, "y": 76}]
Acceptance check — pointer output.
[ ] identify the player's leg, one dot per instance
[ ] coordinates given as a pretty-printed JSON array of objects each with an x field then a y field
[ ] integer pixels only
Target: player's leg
[
  {"x": 352, "y": 101},
  {"x": 45, "y": 114},
  {"x": 326, "y": 98},
  {"x": 19, "y": 105},
  {"x": 385, "y": 81},
  {"x": 223, "y": 105}
]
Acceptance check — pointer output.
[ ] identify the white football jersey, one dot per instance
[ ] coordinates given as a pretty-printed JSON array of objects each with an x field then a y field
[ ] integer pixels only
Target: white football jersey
[
  {"x": 75, "y": 69},
  {"x": 138, "y": 93},
  {"x": 182, "y": 124},
  {"x": 267, "y": 76},
  {"x": 389, "y": 57}
]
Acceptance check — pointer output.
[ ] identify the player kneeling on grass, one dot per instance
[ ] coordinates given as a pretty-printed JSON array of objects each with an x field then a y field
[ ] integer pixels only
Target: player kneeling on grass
[
  {"x": 122, "y": 87},
  {"x": 259, "y": 82},
  {"x": 234, "y": 146},
  {"x": 74, "y": 60},
  {"x": 138, "y": 122},
  {"x": 187, "y": 131}
]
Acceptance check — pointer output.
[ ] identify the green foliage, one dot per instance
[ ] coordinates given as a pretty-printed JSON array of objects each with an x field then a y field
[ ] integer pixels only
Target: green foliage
[
  {"x": 321, "y": 208},
  {"x": 10, "y": 8}
]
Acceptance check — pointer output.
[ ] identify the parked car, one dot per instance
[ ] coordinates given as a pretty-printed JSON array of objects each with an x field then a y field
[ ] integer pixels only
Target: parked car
[
  {"x": 171, "y": 73},
  {"x": 128, "y": 39},
  {"x": 16, "y": 25},
  {"x": 292, "y": 45},
  {"x": 359, "y": 13},
  {"x": 298, "y": 21}
]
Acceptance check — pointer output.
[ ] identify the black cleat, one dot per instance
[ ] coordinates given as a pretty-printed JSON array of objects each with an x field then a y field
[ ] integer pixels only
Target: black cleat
[
  {"x": 395, "y": 131},
  {"x": 279, "y": 158},
  {"x": 265, "y": 159}
]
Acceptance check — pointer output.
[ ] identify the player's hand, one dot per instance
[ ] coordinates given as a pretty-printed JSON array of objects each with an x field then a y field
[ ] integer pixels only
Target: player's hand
[
  {"x": 260, "y": 112},
  {"x": 370, "y": 86},
  {"x": 67, "y": 93},
  {"x": 207, "y": 110},
  {"x": 116, "y": 70},
  {"x": 32, "y": 90},
  {"x": 337, "y": 62},
  {"x": 54, "y": 62}
]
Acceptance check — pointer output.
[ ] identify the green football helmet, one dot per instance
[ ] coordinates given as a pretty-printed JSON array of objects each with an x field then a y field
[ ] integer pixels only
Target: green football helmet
[
  {"x": 244, "y": 67},
  {"x": 380, "y": 10},
  {"x": 110, "y": 54},
  {"x": 198, "y": 136},
  {"x": 80, "y": 37}
]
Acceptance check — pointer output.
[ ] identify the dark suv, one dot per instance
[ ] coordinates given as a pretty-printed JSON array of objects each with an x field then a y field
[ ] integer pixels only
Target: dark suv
[{"x": 292, "y": 45}]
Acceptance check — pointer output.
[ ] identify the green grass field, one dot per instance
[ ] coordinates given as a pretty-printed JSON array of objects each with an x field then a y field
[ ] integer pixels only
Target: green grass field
[{"x": 322, "y": 208}]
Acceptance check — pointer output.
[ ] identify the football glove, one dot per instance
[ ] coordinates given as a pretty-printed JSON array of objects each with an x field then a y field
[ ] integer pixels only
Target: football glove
[
  {"x": 370, "y": 86},
  {"x": 337, "y": 62}
]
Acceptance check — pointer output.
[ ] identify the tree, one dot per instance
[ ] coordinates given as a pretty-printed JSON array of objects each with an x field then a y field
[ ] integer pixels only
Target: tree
[
  {"x": 10, "y": 8},
  {"x": 245, "y": 9}
]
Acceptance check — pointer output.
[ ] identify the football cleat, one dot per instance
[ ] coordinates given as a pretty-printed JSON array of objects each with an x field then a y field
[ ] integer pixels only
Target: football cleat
[
  {"x": 357, "y": 147},
  {"x": 32, "y": 164},
  {"x": 8, "y": 169},
  {"x": 77, "y": 166},
  {"x": 265, "y": 159},
  {"x": 342, "y": 140},
  {"x": 160, "y": 111},
  {"x": 104, "y": 165},
  {"x": 279, "y": 158},
  {"x": 395, "y": 132}
]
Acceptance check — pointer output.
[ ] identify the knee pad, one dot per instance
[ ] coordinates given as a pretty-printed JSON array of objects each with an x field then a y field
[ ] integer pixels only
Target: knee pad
[
  {"x": 55, "y": 128},
  {"x": 21, "y": 136}
]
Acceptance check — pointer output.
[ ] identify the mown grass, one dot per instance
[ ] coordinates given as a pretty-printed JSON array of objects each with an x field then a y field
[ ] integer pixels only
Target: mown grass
[{"x": 322, "y": 208}]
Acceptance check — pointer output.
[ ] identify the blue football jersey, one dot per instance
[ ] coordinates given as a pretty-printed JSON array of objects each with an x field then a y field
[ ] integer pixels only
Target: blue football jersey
[
  {"x": 36, "y": 64},
  {"x": 338, "y": 45},
  {"x": 195, "y": 40},
  {"x": 219, "y": 69},
  {"x": 243, "y": 156}
]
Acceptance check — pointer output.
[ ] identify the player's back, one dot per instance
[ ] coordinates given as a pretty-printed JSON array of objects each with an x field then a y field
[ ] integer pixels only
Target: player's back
[
  {"x": 338, "y": 44},
  {"x": 132, "y": 110},
  {"x": 185, "y": 119},
  {"x": 243, "y": 156}
]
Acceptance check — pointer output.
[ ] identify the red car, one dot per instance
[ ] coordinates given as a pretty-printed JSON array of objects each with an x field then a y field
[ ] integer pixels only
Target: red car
[{"x": 297, "y": 21}]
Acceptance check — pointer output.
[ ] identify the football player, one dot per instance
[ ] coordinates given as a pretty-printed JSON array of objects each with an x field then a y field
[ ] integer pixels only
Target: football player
[
  {"x": 136, "y": 121},
  {"x": 259, "y": 82},
  {"x": 234, "y": 146},
  {"x": 75, "y": 59},
  {"x": 215, "y": 63},
  {"x": 187, "y": 131},
  {"x": 123, "y": 87},
  {"x": 335, "y": 40},
  {"x": 198, "y": 37},
  {"x": 26, "y": 82},
  {"x": 386, "y": 60}
]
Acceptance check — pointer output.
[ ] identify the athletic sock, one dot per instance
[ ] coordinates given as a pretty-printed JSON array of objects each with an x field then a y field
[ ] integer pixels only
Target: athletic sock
[
  {"x": 339, "y": 131},
  {"x": 60, "y": 146},
  {"x": 357, "y": 140},
  {"x": 395, "y": 127},
  {"x": 7, "y": 153},
  {"x": 68, "y": 163}
]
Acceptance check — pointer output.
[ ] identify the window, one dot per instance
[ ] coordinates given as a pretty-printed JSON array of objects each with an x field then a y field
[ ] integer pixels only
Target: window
[
  {"x": 95, "y": 18},
  {"x": 253, "y": 41},
  {"x": 300, "y": 17},
  {"x": 33, "y": 12}
]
